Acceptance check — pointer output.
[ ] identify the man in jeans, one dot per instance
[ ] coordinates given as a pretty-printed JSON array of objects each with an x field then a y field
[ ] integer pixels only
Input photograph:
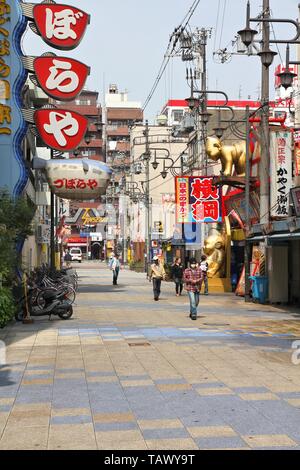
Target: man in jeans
[
  {"x": 193, "y": 277},
  {"x": 157, "y": 275}
]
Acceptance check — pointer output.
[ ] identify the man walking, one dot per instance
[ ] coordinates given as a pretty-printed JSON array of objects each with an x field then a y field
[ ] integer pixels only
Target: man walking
[
  {"x": 157, "y": 275},
  {"x": 193, "y": 277},
  {"x": 115, "y": 267},
  {"x": 204, "y": 268},
  {"x": 68, "y": 258}
]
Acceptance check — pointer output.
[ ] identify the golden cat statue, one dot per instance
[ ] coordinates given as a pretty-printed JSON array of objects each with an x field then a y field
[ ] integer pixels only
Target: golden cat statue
[
  {"x": 214, "y": 249},
  {"x": 230, "y": 156}
]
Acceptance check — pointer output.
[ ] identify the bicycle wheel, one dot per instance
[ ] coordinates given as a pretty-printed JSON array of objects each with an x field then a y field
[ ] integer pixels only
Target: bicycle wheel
[
  {"x": 66, "y": 314},
  {"x": 69, "y": 294},
  {"x": 42, "y": 296}
]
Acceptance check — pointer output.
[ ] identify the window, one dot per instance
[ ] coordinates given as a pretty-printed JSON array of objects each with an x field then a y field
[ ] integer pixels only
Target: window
[{"x": 177, "y": 115}]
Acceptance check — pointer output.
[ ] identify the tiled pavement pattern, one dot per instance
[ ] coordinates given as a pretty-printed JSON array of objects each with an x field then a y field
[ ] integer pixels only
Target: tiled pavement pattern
[{"x": 129, "y": 373}]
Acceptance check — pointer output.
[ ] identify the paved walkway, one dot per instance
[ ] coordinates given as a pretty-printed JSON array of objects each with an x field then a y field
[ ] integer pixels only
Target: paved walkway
[{"x": 130, "y": 373}]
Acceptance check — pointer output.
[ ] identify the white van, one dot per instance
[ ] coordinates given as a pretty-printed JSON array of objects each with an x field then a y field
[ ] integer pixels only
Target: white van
[{"x": 76, "y": 254}]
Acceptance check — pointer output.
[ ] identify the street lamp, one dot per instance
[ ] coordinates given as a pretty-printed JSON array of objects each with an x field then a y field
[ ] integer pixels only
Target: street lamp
[
  {"x": 247, "y": 34},
  {"x": 286, "y": 77},
  {"x": 87, "y": 139},
  {"x": 267, "y": 56}
]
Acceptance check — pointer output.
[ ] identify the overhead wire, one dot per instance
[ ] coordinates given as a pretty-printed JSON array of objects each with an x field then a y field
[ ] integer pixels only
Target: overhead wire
[{"x": 169, "y": 52}]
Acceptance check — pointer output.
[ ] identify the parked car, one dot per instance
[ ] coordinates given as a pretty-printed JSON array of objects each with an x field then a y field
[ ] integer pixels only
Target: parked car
[{"x": 76, "y": 254}]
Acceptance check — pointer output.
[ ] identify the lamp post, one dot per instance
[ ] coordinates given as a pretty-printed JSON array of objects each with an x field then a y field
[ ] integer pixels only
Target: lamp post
[{"x": 247, "y": 36}]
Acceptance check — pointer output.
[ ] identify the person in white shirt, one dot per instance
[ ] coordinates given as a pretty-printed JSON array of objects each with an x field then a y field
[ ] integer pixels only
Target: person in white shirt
[
  {"x": 115, "y": 268},
  {"x": 204, "y": 269}
]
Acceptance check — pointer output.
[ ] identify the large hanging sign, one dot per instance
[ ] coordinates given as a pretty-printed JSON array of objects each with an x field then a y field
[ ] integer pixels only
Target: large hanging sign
[
  {"x": 77, "y": 179},
  {"x": 60, "y": 78},
  {"x": 281, "y": 173},
  {"x": 60, "y": 129},
  {"x": 61, "y": 26},
  {"x": 13, "y": 175},
  {"x": 197, "y": 200}
]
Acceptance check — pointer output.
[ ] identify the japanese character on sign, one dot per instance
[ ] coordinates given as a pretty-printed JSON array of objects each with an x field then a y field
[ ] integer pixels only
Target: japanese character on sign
[
  {"x": 58, "y": 24},
  {"x": 4, "y": 47},
  {"x": 60, "y": 129},
  {"x": 61, "y": 26},
  {"x": 61, "y": 124},
  {"x": 61, "y": 78},
  {"x": 75, "y": 183},
  {"x": 92, "y": 184},
  {"x": 58, "y": 78},
  {"x": 203, "y": 189},
  {"x": 4, "y": 69},
  {"x": 5, "y": 114}
]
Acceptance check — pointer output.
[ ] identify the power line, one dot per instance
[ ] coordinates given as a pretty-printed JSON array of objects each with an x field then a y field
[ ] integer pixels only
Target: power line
[{"x": 168, "y": 53}]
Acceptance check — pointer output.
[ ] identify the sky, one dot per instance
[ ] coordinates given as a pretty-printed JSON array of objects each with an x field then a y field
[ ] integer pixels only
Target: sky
[{"x": 126, "y": 41}]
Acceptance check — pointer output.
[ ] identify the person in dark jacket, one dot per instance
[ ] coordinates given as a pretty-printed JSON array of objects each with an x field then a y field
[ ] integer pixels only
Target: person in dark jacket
[{"x": 177, "y": 276}]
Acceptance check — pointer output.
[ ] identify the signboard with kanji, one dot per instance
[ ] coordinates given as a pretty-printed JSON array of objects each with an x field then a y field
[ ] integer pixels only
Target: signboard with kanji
[
  {"x": 60, "y": 77},
  {"x": 77, "y": 179},
  {"x": 61, "y": 26},
  {"x": 197, "y": 200},
  {"x": 14, "y": 174},
  {"x": 281, "y": 172},
  {"x": 60, "y": 129}
]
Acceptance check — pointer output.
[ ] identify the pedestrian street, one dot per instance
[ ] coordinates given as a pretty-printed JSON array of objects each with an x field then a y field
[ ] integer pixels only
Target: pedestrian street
[{"x": 126, "y": 372}]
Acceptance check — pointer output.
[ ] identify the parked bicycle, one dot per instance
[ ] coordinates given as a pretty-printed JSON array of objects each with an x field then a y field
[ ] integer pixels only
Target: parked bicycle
[{"x": 47, "y": 293}]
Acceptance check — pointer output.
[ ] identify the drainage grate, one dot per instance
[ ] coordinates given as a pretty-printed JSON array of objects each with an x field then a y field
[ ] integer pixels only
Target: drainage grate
[
  {"x": 139, "y": 344},
  {"x": 216, "y": 324}
]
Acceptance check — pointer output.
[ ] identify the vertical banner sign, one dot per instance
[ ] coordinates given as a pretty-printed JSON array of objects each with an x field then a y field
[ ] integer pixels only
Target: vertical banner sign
[
  {"x": 198, "y": 200},
  {"x": 281, "y": 173},
  {"x": 297, "y": 152},
  {"x": 13, "y": 175}
]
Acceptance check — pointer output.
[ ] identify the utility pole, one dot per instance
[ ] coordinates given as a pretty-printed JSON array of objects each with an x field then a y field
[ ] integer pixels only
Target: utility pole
[
  {"x": 52, "y": 227},
  {"x": 297, "y": 98},
  {"x": 147, "y": 157},
  {"x": 264, "y": 167},
  {"x": 247, "y": 201}
]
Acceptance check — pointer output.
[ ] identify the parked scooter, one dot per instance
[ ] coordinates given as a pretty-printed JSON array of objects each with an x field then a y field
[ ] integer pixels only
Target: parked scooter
[{"x": 54, "y": 304}]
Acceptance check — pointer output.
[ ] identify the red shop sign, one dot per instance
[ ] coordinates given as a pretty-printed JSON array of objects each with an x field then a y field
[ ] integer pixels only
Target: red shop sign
[
  {"x": 60, "y": 129},
  {"x": 61, "y": 78},
  {"x": 61, "y": 26}
]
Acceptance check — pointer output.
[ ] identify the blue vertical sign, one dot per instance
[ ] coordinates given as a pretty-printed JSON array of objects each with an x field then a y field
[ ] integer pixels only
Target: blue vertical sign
[{"x": 13, "y": 174}]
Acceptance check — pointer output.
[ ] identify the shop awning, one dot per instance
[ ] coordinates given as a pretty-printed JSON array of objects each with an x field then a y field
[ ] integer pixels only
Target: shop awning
[{"x": 275, "y": 237}]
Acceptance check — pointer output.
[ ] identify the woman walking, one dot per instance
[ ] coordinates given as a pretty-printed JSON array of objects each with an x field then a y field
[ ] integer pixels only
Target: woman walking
[{"x": 177, "y": 276}]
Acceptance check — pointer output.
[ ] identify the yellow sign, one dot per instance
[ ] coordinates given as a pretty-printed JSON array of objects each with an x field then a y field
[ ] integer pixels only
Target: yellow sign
[
  {"x": 5, "y": 111},
  {"x": 88, "y": 220}
]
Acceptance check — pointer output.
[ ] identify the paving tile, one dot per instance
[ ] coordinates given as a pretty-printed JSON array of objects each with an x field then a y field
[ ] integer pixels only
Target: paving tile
[
  {"x": 14, "y": 438},
  {"x": 72, "y": 436},
  {"x": 258, "y": 396},
  {"x": 294, "y": 402},
  {"x": 56, "y": 412},
  {"x": 211, "y": 431},
  {"x": 160, "y": 424},
  {"x": 116, "y": 426},
  {"x": 165, "y": 433},
  {"x": 78, "y": 419},
  {"x": 119, "y": 436},
  {"x": 269, "y": 440},
  {"x": 206, "y": 443},
  {"x": 215, "y": 391},
  {"x": 171, "y": 444},
  {"x": 113, "y": 445},
  {"x": 136, "y": 383}
]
